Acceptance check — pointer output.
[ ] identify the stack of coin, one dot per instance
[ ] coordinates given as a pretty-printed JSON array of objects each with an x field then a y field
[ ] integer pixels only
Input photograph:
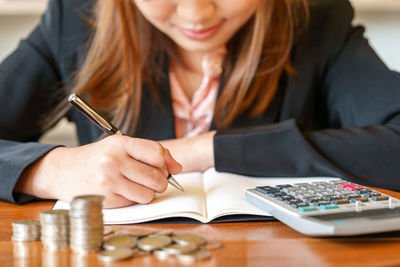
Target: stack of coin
[
  {"x": 26, "y": 230},
  {"x": 86, "y": 223},
  {"x": 55, "y": 228},
  {"x": 164, "y": 244}
]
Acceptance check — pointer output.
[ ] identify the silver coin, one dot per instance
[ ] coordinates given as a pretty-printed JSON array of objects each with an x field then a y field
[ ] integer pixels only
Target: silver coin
[
  {"x": 161, "y": 254},
  {"x": 154, "y": 242},
  {"x": 22, "y": 224},
  {"x": 175, "y": 249},
  {"x": 137, "y": 232},
  {"x": 139, "y": 252},
  {"x": 189, "y": 239},
  {"x": 195, "y": 256},
  {"x": 54, "y": 217},
  {"x": 115, "y": 255},
  {"x": 86, "y": 223},
  {"x": 212, "y": 245},
  {"x": 25, "y": 239},
  {"x": 26, "y": 230},
  {"x": 120, "y": 242}
]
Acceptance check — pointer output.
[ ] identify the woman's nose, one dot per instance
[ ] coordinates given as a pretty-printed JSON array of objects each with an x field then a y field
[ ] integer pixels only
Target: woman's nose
[{"x": 196, "y": 10}]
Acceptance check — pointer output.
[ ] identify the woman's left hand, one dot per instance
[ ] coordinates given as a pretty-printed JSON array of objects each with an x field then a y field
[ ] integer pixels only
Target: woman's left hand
[{"x": 195, "y": 154}]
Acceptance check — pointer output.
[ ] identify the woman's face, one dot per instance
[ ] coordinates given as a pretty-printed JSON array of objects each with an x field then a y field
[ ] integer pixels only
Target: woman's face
[{"x": 198, "y": 25}]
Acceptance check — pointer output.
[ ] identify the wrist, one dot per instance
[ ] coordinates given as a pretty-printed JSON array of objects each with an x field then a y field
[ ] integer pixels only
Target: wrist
[
  {"x": 38, "y": 178},
  {"x": 205, "y": 146}
]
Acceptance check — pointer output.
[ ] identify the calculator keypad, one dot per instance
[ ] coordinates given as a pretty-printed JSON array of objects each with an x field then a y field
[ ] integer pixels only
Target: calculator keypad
[{"x": 329, "y": 196}]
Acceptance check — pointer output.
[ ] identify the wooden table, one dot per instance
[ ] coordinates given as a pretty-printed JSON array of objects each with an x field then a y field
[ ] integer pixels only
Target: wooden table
[{"x": 244, "y": 244}]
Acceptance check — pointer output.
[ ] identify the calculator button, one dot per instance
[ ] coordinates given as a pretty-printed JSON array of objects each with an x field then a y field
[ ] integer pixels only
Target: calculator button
[
  {"x": 266, "y": 189},
  {"x": 345, "y": 184},
  {"x": 276, "y": 194},
  {"x": 281, "y": 186},
  {"x": 307, "y": 208},
  {"x": 380, "y": 198},
  {"x": 349, "y": 196},
  {"x": 335, "y": 182},
  {"x": 363, "y": 191},
  {"x": 328, "y": 206},
  {"x": 341, "y": 201},
  {"x": 319, "y": 203},
  {"x": 323, "y": 194},
  {"x": 362, "y": 199},
  {"x": 304, "y": 196},
  {"x": 298, "y": 205},
  {"x": 284, "y": 198},
  {"x": 354, "y": 188}
]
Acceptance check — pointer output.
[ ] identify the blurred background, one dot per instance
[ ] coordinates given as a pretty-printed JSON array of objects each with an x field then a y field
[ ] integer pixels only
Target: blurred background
[{"x": 380, "y": 17}]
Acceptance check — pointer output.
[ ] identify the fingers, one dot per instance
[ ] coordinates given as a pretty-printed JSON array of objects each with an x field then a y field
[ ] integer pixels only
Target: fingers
[
  {"x": 173, "y": 166},
  {"x": 145, "y": 175},
  {"x": 147, "y": 151},
  {"x": 117, "y": 201},
  {"x": 134, "y": 192},
  {"x": 138, "y": 169}
]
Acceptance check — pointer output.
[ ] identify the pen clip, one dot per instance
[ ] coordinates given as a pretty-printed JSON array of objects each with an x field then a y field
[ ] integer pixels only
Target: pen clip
[{"x": 93, "y": 115}]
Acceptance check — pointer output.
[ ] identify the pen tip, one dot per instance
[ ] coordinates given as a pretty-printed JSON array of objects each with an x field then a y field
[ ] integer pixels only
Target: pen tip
[
  {"x": 173, "y": 182},
  {"x": 72, "y": 97}
]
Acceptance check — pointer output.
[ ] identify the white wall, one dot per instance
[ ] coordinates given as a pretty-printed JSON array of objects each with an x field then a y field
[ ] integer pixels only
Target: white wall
[
  {"x": 12, "y": 29},
  {"x": 383, "y": 31}
]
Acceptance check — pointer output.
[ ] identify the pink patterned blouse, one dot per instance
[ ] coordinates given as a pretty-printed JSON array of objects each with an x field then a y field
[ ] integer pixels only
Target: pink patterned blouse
[{"x": 194, "y": 117}]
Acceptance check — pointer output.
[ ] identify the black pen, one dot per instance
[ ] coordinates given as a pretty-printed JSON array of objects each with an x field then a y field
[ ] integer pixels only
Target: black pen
[{"x": 106, "y": 126}]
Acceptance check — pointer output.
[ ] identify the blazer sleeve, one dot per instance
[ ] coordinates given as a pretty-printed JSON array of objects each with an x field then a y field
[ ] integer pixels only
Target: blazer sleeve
[
  {"x": 361, "y": 143},
  {"x": 29, "y": 86}
]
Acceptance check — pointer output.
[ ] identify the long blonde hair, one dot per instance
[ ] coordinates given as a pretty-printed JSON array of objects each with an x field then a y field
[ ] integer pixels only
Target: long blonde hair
[{"x": 126, "y": 52}]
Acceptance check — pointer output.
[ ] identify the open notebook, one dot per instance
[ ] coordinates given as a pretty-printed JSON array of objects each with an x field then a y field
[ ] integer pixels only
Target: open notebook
[{"x": 207, "y": 196}]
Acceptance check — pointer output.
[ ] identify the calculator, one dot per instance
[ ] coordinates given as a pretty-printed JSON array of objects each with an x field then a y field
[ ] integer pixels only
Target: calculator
[{"x": 328, "y": 208}]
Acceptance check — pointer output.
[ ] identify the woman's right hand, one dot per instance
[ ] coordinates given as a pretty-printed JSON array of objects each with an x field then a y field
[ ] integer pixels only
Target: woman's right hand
[{"x": 125, "y": 170}]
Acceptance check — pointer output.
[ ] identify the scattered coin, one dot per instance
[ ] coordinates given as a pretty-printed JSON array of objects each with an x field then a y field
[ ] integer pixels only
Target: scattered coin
[
  {"x": 139, "y": 252},
  {"x": 195, "y": 256},
  {"x": 120, "y": 241},
  {"x": 137, "y": 232},
  {"x": 168, "y": 232},
  {"x": 154, "y": 242},
  {"x": 82, "y": 228},
  {"x": 175, "y": 249},
  {"x": 115, "y": 255},
  {"x": 161, "y": 254},
  {"x": 189, "y": 239}
]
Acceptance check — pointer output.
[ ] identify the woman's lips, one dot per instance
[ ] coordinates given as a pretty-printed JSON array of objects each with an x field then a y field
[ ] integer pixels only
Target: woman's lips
[{"x": 201, "y": 34}]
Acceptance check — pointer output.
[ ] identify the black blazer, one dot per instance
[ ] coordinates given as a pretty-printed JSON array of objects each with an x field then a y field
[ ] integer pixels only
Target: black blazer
[{"x": 339, "y": 116}]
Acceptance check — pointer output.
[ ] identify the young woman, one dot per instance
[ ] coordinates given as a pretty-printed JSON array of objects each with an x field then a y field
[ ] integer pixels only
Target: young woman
[{"x": 256, "y": 87}]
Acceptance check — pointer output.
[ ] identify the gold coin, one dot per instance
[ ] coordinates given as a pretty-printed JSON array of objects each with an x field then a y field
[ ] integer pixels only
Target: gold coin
[
  {"x": 194, "y": 256},
  {"x": 168, "y": 232},
  {"x": 120, "y": 242},
  {"x": 137, "y": 232},
  {"x": 115, "y": 255},
  {"x": 154, "y": 242},
  {"x": 189, "y": 239},
  {"x": 175, "y": 249}
]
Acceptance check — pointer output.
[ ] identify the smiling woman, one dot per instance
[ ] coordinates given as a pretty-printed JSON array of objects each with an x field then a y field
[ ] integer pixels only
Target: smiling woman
[
  {"x": 259, "y": 36},
  {"x": 258, "y": 87}
]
